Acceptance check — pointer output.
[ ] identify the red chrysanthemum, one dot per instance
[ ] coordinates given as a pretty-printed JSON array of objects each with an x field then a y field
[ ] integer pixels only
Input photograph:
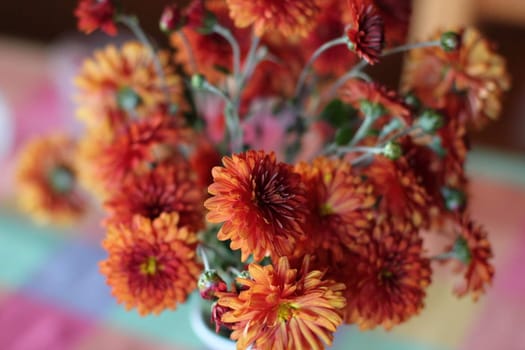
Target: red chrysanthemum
[
  {"x": 367, "y": 32},
  {"x": 261, "y": 202},
  {"x": 96, "y": 14},
  {"x": 280, "y": 308},
  {"x": 473, "y": 251},
  {"x": 468, "y": 82},
  {"x": 204, "y": 158},
  {"x": 47, "y": 180},
  {"x": 292, "y": 17},
  {"x": 403, "y": 200},
  {"x": 151, "y": 264},
  {"x": 340, "y": 205},
  {"x": 355, "y": 91},
  {"x": 136, "y": 145},
  {"x": 387, "y": 280},
  {"x": 164, "y": 189}
]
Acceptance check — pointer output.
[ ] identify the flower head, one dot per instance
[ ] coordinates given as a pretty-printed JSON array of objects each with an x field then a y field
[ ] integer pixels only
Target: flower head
[
  {"x": 164, "y": 189},
  {"x": 355, "y": 91},
  {"x": 151, "y": 264},
  {"x": 387, "y": 282},
  {"x": 261, "y": 202},
  {"x": 468, "y": 82},
  {"x": 367, "y": 32},
  {"x": 122, "y": 83},
  {"x": 135, "y": 146},
  {"x": 282, "y": 308},
  {"x": 96, "y": 14},
  {"x": 292, "y": 17},
  {"x": 47, "y": 180},
  {"x": 403, "y": 199},
  {"x": 340, "y": 205},
  {"x": 473, "y": 251}
]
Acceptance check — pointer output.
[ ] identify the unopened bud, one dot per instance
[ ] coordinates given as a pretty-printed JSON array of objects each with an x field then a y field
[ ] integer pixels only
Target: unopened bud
[
  {"x": 392, "y": 150},
  {"x": 198, "y": 81},
  {"x": 450, "y": 41},
  {"x": 210, "y": 283},
  {"x": 454, "y": 198},
  {"x": 430, "y": 121},
  {"x": 171, "y": 19}
]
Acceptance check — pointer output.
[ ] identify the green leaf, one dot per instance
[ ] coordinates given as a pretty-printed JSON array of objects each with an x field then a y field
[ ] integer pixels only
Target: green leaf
[
  {"x": 339, "y": 114},
  {"x": 343, "y": 136}
]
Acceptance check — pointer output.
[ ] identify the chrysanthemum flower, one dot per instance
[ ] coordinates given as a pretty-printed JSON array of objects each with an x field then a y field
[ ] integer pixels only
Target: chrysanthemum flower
[
  {"x": 46, "y": 179},
  {"x": 367, "y": 32},
  {"x": 282, "y": 309},
  {"x": 291, "y": 18},
  {"x": 151, "y": 264},
  {"x": 355, "y": 91},
  {"x": 340, "y": 204},
  {"x": 136, "y": 145},
  {"x": 261, "y": 202},
  {"x": 468, "y": 82},
  {"x": 96, "y": 14},
  {"x": 124, "y": 80},
  {"x": 164, "y": 189},
  {"x": 387, "y": 282},
  {"x": 473, "y": 250},
  {"x": 403, "y": 199}
]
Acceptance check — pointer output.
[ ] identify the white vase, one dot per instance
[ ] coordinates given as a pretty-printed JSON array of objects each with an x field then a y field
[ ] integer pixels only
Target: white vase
[{"x": 211, "y": 340}]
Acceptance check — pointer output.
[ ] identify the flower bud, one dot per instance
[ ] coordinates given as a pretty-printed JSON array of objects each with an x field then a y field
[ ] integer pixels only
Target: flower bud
[
  {"x": 210, "y": 283},
  {"x": 392, "y": 150},
  {"x": 199, "y": 18},
  {"x": 244, "y": 275},
  {"x": 454, "y": 198},
  {"x": 171, "y": 19},
  {"x": 430, "y": 121},
  {"x": 450, "y": 41},
  {"x": 198, "y": 81},
  {"x": 216, "y": 316}
]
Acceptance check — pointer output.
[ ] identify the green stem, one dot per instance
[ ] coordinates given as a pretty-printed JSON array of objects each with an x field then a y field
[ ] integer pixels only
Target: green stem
[
  {"x": 133, "y": 24},
  {"x": 304, "y": 74},
  {"x": 356, "y": 71},
  {"x": 408, "y": 47},
  {"x": 363, "y": 129},
  {"x": 226, "y": 34}
]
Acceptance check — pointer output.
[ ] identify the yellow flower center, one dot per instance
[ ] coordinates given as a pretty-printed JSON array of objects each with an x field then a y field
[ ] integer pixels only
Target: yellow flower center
[
  {"x": 150, "y": 266},
  {"x": 285, "y": 312},
  {"x": 326, "y": 209}
]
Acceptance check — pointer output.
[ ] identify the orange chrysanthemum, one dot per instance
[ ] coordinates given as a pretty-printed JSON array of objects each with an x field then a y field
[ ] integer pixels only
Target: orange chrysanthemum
[
  {"x": 137, "y": 144},
  {"x": 355, "y": 91},
  {"x": 367, "y": 32},
  {"x": 403, "y": 200},
  {"x": 164, "y": 189},
  {"x": 291, "y": 18},
  {"x": 124, "y": 80},
  {"x": 46, "y": 179},
  {"x": 474, "y": 252},
  {"x": 151, "y": 264},
  {"x": 386, "y": 284},
  {"x": 283, "y": 309},
  {"x": 340, "y": 205},
  {"x": 261, "y": 202},
  {"x": 96, "y": 14},
  {"x": 468, "y": 82}
]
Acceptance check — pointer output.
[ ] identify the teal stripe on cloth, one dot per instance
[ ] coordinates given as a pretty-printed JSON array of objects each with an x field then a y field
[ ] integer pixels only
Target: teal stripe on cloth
[
  {"x": 23, "y": 248},
  {"x": 349, "y": 337}
]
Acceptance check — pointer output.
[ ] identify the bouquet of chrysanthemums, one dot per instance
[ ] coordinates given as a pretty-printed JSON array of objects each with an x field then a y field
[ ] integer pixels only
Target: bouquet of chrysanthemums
[{"x": 256, "y": 161}]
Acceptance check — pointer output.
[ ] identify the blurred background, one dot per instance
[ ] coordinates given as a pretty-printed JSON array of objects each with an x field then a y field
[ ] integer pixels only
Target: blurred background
[{"x": 51, "y": 293}]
